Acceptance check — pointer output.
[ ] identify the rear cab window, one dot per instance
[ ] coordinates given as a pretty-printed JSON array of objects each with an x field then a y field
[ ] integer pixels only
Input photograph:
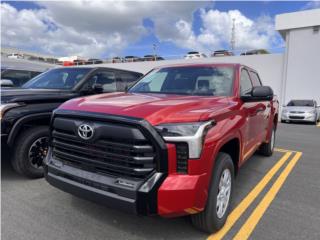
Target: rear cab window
[
  {"x": 255, "y": 79},
  {"x": 245, "y": 82}
]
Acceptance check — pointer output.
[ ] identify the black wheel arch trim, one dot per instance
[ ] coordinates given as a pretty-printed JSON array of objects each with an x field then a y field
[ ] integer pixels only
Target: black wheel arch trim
[{"x": 19, "y": 123}]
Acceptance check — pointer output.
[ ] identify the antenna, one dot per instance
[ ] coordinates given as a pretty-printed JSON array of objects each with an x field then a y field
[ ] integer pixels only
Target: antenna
[
  {"x": 154, "y": 51},
  {"x": 233, "y": 35}
]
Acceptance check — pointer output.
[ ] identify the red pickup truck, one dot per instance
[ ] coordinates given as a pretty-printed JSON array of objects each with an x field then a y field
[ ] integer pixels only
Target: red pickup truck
[{"x": 171, "y": 145}]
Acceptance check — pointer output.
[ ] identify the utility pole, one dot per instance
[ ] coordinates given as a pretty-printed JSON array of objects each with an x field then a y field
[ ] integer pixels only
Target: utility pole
[
  {"x": 154, "y": 51},
  {"x": 233, "y": 35}
]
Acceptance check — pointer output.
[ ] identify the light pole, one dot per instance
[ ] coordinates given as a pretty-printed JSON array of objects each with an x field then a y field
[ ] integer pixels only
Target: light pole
[
  {"x": 233, "y": 35},
  {"x": 154, "y": 51}
]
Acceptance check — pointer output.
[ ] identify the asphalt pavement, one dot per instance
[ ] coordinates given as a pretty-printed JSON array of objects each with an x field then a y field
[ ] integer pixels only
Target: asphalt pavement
[{"x": 286, "y": 207}]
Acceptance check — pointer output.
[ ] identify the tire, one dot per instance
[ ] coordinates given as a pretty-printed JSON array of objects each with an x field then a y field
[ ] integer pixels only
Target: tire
[
  {"x": 267, "y": 149},
  {"x": 208, "y": 220},
  {"x": 31, "y": 141}
]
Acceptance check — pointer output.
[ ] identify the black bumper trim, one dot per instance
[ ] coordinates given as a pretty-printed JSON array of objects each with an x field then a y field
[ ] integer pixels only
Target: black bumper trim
[
  {"x": 140, "y": 199},
  {"x": 91, "y": 193}
]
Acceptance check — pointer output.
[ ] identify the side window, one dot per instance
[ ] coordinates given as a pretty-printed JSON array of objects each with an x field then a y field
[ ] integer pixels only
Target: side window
[
  {"x": 255, "y": 79},
  {"x": 18, "y": 77},
  {"x": 33, "y": 74},
  {"x": 129, "y": 78},
  {"x": 107, "y": 79},
  {"x": 245, "y": 83}
]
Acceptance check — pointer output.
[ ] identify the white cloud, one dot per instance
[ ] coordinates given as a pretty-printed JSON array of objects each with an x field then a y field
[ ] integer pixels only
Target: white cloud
[
  {"x": 216, "y": 32},
  {"x": 95, "y": 28},
  {"x": 311, "y": 5}
]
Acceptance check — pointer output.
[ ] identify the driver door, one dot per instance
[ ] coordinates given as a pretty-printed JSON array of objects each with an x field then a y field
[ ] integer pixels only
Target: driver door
[{"x": 251, "y": 118}]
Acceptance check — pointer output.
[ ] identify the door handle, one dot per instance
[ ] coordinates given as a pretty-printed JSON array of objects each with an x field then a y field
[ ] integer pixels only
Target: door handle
[{"x": 260, "y": 109}]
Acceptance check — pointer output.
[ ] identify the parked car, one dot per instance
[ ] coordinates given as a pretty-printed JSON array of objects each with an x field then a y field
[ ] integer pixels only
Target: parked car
[
  {"x": 171, "y": 145},
  {"x": 222, "y": 53},
  {"x": 94, "y": 61},
  {"x": 193, "y": 55},
  {"x": 26, "y": 112},
  {"x": 15, "y": 56},
  {"x": 255, "y": 52},
  {"x": 117, "y": 60},
  {"x": 16, "y": 77},
  {"x": 152, "y": 58},
  {"x": 79, "y": 62},
  {"x": 301, "y": 111},
  {"x": 132, "y": 59}
]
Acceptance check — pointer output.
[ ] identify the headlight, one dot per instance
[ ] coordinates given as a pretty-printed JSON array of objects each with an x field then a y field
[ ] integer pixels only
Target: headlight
[
  {"x": 191, "y": 133},
  {"x": 6, "y": 107},
  {"x": 285, "y": 111},
  {"x": 311, "y": 112}
]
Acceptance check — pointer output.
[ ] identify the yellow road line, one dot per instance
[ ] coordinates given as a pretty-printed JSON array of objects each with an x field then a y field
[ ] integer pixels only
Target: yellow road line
[
  {"x": 259, "y": 211},
  {"x": 283, "y": 150},
  {"x": 245, "y": 203}
]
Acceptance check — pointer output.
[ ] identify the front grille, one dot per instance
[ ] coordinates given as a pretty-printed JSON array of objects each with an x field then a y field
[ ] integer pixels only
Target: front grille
[
  {"x": 296, "y": 117},
  {"x": 296, "y": 112},
  {"x": 119, "y": 155}
]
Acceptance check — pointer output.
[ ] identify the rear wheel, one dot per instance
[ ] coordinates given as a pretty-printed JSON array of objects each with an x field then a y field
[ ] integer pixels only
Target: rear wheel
[
  {"x": 220, "y": 195},
  {"x": 267, "y": 149},
  {"x": 30, "y": 150}
]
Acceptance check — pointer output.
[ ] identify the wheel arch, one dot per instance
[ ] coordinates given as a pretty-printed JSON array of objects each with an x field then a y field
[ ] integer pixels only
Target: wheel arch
[
  {"x": 232, "y": 147},
  {"x": 27, "y": 121}
]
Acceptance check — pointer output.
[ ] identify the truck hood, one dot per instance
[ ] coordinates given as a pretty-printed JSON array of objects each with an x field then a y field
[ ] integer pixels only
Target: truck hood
[
  {"x": 11, "y": 95},
  {"x": 155, "y": 108}
]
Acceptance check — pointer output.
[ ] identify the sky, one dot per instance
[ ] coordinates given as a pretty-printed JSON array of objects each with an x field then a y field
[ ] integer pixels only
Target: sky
[{"x": 103, "y": 29}]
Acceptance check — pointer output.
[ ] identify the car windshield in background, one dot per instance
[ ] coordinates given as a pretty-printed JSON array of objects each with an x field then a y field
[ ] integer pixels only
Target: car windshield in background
[
  {"x": 301, "y": 103},
  {"x": 203, "y": 81},
  {"x": 60, "y": 78}
]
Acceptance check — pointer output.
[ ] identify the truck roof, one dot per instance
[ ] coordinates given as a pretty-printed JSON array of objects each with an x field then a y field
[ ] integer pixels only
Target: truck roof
[{"x": 200, "y": 65}]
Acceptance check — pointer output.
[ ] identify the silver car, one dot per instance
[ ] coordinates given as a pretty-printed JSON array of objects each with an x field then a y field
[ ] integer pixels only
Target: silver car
[{"x": 301, "y": 111}]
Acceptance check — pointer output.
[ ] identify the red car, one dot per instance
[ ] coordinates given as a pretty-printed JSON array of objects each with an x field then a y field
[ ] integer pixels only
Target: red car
[{"x": 171, "y": 145}]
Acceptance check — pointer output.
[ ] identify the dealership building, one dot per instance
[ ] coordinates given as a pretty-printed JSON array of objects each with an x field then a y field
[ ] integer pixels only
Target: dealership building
[{"x": 294, "y": 74}]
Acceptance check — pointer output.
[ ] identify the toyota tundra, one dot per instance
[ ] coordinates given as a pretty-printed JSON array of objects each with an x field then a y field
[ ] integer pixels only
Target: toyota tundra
[{"x": 171, "y": 145}]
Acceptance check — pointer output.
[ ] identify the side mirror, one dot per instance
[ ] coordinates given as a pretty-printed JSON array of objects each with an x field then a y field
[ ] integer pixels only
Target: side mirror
[
  {"x": 97, "y": 88},
  {"x": 6, "y": 83},
  {"x": 259, "y": 93}
]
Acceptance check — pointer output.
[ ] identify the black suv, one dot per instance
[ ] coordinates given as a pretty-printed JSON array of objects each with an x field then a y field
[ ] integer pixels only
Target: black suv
[{"x": 25, "y": 112}]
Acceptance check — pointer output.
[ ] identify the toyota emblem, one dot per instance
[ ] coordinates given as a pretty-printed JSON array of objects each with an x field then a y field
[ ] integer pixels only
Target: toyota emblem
[{"x": 85, "y": 131}]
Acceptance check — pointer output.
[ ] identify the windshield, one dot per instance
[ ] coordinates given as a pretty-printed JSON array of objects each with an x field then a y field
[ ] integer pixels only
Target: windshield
[
  {"x": 301, "y": 103},
  {"x": 59, "y": 78},
  {"x": 212, "y": 81}
]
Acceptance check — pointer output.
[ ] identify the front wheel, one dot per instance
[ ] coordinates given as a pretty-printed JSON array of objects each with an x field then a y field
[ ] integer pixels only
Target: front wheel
[
  {"x": 30, "y": 150},
  {"x": 220, "y": 195}
]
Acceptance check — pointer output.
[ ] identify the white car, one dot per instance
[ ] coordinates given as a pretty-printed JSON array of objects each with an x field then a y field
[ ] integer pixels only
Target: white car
[
  {"x": 194, "y": 55},
  {"x": 15, "y": 56},
  {"x": 301, "y": 111}
]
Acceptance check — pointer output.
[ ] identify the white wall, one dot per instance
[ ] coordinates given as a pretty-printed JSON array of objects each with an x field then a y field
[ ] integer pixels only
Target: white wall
[
  {"x": 269, "y": 66},
  {"x": 302, "y": 78}
]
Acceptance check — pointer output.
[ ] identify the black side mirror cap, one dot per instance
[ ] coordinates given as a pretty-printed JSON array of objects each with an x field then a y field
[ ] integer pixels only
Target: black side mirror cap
[{"x": 259, "y": 93}]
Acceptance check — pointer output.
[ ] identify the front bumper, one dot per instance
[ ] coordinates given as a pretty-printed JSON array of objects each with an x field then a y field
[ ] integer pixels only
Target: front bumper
[
  {"x": 161, "y": 194},
  {"x": 137, "y": 197},
  {"x": 298, "y": 117}
]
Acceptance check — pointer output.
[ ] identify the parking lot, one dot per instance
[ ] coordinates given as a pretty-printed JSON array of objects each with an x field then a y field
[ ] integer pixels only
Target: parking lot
[{"x": 275, "y": 198}]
